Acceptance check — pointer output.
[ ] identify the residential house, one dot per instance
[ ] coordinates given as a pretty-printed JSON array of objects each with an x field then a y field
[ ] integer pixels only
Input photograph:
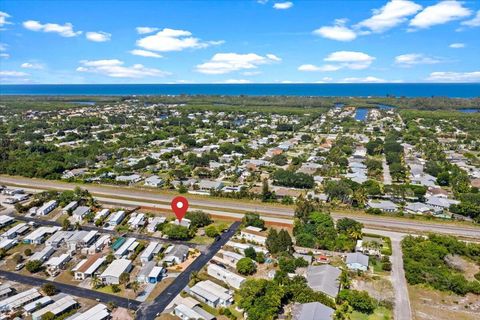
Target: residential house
[
  {"x": 116, "y": 218},
  {"x": 254, "y": 234},
  {"x": 111, "y": 275},
  {"x": 38, "y": 235},
  {"x": 312, "y": 311},
  {"x": 70, "y": 207},
  {"x": 232, "y": 279},
  {"x": 46, "y": 208},
  {"x": 383, "y": 205},
  {"x": 152, "y": 249},
  {"x": 176, "y": 254},
  {"x": 87, "y": 267},
  {"x": 153, "y": 181},
  {"x": 324, "y": 278},
  {"x": 211, "y": 294},
  {"x": 60, "y": 306},
  {"x": 357, "y": 261},
  {"x": 79, "y": 213}
]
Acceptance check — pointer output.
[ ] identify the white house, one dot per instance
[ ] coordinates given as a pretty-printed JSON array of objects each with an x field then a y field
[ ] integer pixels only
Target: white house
[
  {"x": 79, "y": 213},
  {"x": 153, "y": 181},
  {"x": 212, "y": 294},
  {"x": 232, "y": 279},
  {"x": 147, "y": 254},
  {"x": 111, "y": 275},
  {"x": 70, "y": 207},
  {"x": 254, "y": 234},
  {"x": 116, "y": 218},
  {"x": 46, "y": 208}
]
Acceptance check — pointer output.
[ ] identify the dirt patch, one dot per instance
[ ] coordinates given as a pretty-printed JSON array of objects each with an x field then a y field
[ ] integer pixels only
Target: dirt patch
[
  {"x": 429, "y": 304},
  {"x": 468, "y": 268},
  {"x": 379, "y": 288},
  {"x": 121, "y": 314}
]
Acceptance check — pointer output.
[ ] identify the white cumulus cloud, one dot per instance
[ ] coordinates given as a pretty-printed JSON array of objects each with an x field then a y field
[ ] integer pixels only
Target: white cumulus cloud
[
  {"x": 443, "y": 76},
  {"x": 390, "y": 15},
  {"x": 222, "y": 63},
  {"x": 145, "y": 53},
  {"x": 283, "y": 5},
  {"x": 145, "y": 30},
  {"x": 351, "y": 59},
  {"x": 369, "y": 79},
  {"x": 32, "y": 65},
  {"x": 440, "y": 13},
  {"x": 237, "y": 81},
  {"x": 337, "y": 60},
  {"x": 11, "y": 73},
  {"x": 173, "y": 40},
  {"x": 3, "y": 18},
  {"x": 410, "y": 59},
  {"x": 457, "y": 45},
  {"x": 99, "y": 36},
  {"x": 475, "y": 22},
  {"x": 65, "y": 30},
  {"x": 313, "y": 68},
  {"x": 337, "y": 32},
  {"x": 114, "y": 68}
]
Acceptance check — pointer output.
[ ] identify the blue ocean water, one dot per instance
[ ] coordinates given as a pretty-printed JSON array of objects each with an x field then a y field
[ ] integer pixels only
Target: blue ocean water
[
  {"x": 458, "y": 90},
  {"x": 361, "y": 114}
]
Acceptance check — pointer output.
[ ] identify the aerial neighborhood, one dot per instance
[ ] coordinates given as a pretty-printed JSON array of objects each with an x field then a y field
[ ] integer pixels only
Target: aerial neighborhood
[{"x": 294, "y": 213}]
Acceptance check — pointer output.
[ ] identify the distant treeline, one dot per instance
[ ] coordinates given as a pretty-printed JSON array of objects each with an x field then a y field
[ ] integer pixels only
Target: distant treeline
[{"x": 249, "y": 103}]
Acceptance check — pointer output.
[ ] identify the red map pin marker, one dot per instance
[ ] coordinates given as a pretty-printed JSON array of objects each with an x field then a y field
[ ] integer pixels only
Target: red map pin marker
[{"x": 179, "y": 207}]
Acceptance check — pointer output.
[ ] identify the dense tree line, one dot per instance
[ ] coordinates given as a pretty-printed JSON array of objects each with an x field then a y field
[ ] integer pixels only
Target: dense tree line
[{"x": 425, "y": 262}]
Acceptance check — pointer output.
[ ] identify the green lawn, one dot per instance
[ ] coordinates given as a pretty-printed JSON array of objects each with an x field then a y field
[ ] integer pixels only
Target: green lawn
[{"x": 380, "y": 313}]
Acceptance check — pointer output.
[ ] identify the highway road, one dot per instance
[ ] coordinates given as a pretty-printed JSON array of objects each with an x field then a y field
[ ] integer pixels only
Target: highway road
[
  {"x": 224, "y": 207},
  {"x": 148, "y": 311},
  {"x": 73, "y": 290}
]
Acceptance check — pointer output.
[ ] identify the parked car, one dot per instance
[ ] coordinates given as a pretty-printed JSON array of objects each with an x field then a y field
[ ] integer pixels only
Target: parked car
[{"x": 19, "y": 266}]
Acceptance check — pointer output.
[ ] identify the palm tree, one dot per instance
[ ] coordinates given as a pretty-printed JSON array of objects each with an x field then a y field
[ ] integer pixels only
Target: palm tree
[
  {"x": 96, "y": 281},
  {"x": 135, "y": 286},
  {"x": 355, "y": 234},
  {"x": 344, "y": 279}
]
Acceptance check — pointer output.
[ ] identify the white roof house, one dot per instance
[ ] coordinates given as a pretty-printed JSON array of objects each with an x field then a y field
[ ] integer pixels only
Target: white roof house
[
  {"x": 71, "y": 206},
  {"x": 102, "y": 214},
  {"x": 79, "y": 213},
  {"x": 242, "y": 246},
  {"x": 42, "y": 255},
  {"x": 154, "y": 222},
  {"x": 38, "y": 235},
  {"x": 58, "y": 307},
  {"x": 124, "y": 248},
  {"x": 5, "y": 220},
  {"x": 8, "y": 243},
  {"x": 46, "y": 208},
  {"x": 116, "y": 218},
  {"x": 384, "y": 205},
  {"x": 212, "y": 294},
  {"x": 152, "y": 249},
  {"x": 136, "y": 220},
  {"x": 97, "y": 312},
  {"x": 87, "y": 267},
  {"x": 37, "y": 304},
  {"x": 111, "y": 275},
  {"x": 14, "y": 231},
  {"x": 232, "y": 279},
  {"x": 254, "y": 234},
  {"x": 153, "y": 181},
  {"x": 20, "y": 299}
]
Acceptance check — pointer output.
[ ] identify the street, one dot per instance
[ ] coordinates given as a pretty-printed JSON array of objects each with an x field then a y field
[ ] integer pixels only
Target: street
[
  {"x": 150, "y": 310},
  {"x": 73, "y": 290}
]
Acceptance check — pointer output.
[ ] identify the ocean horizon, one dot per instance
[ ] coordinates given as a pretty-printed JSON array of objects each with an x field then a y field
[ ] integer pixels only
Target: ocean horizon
[{"x": 451, "y": 90}]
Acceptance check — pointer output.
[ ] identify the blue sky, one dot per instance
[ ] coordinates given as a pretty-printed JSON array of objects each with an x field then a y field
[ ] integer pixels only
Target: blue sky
[{"x": 239, "y": 41}]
